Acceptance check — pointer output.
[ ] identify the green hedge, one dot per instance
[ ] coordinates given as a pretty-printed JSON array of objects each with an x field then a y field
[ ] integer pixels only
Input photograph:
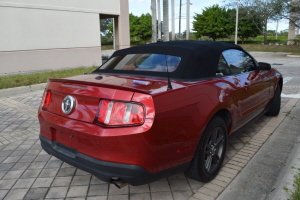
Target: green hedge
[
  {"x": 134, "y": 43},
  {"x": 106, "y": 41}
]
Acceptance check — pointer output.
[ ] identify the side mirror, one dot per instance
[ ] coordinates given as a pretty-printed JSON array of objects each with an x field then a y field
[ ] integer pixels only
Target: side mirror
[{"x": 264, "y": 66}]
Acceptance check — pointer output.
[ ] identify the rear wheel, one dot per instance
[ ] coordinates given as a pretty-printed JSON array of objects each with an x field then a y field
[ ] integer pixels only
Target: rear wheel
[
  {"x": 210, "y": 153},
  {"x": 275, "y": 103}
]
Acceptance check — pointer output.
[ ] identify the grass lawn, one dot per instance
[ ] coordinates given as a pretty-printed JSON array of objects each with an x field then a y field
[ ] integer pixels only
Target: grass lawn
[
  {"x": 107, "y": 47},
  {"x": 36, "y": 78},
  {"x": 261, "y": 38},
  {"x": 294, "y": 49},
  {"x": 295, "y": 195}
]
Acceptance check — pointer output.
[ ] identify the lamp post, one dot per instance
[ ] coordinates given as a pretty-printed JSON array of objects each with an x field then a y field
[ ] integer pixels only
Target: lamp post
[
  {"x": 236, "y": 20},
  {"x": 179, "y": 18},
  {"x": 187, "y": 18},
  {"x": 187, "y": 37}
]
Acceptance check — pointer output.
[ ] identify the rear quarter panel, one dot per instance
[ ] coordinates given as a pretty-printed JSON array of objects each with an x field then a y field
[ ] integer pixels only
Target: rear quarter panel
[{"x": 181, "y": 115}]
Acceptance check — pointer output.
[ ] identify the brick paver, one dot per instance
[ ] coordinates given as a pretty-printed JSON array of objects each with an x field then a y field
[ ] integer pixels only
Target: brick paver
[
  {"x": 27, "y": 172},
  {"x": 18, "y": 121}
]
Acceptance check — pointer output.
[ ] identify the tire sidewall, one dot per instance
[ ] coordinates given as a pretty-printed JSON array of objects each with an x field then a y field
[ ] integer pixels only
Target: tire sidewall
[
  {"x": 214, "y": 123},
  {"x": 275, "y": 103}
]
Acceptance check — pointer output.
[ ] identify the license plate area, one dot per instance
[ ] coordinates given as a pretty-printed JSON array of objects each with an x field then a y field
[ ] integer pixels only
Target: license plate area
[{"x": 66, "y": 138}]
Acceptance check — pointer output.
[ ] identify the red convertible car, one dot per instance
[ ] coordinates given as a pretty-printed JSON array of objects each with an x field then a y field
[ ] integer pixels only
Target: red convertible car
[{"x": 157, "y": 109}]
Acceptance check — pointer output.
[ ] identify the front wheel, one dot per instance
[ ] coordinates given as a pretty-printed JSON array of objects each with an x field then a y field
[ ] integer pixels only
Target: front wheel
[
  {"x": 210, "y": 153},
  {"x": 275, "y": 103}
]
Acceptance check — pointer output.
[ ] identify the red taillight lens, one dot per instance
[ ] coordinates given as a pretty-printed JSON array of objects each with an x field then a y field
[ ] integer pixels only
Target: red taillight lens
[
  {"x": 118, "y": 113},
  {"x": 46, "y": 99}
]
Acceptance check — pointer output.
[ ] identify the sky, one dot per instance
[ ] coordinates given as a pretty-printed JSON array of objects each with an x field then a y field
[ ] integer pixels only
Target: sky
[{"x": 139, "y": 7}]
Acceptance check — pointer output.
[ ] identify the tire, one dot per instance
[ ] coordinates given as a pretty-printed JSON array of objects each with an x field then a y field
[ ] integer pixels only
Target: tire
[
  {"x": 275, "y": 103},
  {"x": 208, "y": 159}
]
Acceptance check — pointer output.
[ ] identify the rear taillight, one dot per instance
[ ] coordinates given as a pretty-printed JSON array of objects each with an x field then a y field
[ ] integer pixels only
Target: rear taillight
[
  {"x": 46, "y": 99},
  {"x": 119, "y": 113}
]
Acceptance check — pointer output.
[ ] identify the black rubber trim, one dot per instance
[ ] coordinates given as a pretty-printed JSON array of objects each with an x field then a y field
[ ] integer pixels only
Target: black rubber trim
[{"x": 134, "y": 175}]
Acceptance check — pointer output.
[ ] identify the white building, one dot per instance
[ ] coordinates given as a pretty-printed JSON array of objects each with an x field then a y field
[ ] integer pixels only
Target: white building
[{"x": 53, "y": 34}]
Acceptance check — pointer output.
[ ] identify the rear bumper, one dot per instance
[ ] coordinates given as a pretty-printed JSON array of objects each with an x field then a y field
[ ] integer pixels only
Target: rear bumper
[{"x": 134, "y": 175}]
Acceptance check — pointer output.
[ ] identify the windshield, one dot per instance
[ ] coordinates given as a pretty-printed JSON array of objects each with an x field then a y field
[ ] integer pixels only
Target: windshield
[{"x": 143, "y": 62}]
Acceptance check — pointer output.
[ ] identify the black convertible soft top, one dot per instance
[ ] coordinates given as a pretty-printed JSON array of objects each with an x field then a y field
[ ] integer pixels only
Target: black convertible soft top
[{"x": 199, "y": 59}]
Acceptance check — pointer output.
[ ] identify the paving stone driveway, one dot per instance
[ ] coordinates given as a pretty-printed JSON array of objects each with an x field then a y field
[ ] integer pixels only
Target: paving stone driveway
[{"x": 28, "y": 172}]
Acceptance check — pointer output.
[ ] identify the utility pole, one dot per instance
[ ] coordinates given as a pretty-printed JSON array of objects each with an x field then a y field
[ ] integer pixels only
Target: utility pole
[
  {"x": 166, "y": 19},
  {"x": 153, "y": 9},
  {"x": 159, "y": 19},
  {"x": 180, "y": 19},
  {"x": 173, "y": 20},
  {"x": 187, "y": 37}
]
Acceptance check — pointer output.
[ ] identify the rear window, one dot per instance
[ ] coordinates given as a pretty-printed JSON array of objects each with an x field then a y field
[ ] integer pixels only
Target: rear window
[{"x": 143, "y": 62}]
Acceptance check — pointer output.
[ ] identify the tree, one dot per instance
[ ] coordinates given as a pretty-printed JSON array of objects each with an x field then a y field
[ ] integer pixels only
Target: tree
[
  {"x": 140, "y": 27},
  {"x": 271, "y": 33},
  {"x": 133, "y": 25},
  {"x": 105, "y": 25},
  {"x": 261, "y": 12},
  {"x": 145, "y": 26},
  {"x": 291, "y": 11},
  {"x": 110, "y": 30},
  {"x": 213, "y": 22},
  {"x": 283, "y": 32},
  {"x": 106, "y": 29},
  {"x": 246, "y": 27}
]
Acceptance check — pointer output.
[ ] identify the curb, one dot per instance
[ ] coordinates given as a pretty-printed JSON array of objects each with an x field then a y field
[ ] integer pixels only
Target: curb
[
  {"x": 287, "y": 54},
  {"x": 287, "y": 177},
  {"x": 293, "y": 56},
  {"x": 20, "y": 90}
]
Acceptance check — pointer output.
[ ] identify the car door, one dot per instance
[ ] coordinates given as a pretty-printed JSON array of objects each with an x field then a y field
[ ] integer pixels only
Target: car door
[{"x": 253, "y": 87}]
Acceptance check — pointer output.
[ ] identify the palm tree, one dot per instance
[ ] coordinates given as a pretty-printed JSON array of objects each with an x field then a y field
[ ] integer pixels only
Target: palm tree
[
  {"x": 173, "y": 19},
  {"x": 166, "y": 19},
  {"x": 159, "y": 20},
  {"x": 153, "y": 9}
]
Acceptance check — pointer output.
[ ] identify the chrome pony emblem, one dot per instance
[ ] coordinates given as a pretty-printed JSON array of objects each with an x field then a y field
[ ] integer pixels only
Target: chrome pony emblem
[{"x": 68, "y": 104}]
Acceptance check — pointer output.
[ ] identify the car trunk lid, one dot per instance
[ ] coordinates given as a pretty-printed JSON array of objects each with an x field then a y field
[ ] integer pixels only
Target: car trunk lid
[
  {"x": 87, "y": 90},
  {"x": 86, "y": 97}
]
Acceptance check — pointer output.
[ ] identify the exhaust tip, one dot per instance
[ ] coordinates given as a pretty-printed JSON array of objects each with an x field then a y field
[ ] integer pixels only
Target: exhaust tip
[{"x": 119, "y": 183}]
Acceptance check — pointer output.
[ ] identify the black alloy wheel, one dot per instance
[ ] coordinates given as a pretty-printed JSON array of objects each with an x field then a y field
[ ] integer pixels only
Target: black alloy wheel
[
  {"x": 214, "y": 150},
  {"x": 210, "y": 153}
]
